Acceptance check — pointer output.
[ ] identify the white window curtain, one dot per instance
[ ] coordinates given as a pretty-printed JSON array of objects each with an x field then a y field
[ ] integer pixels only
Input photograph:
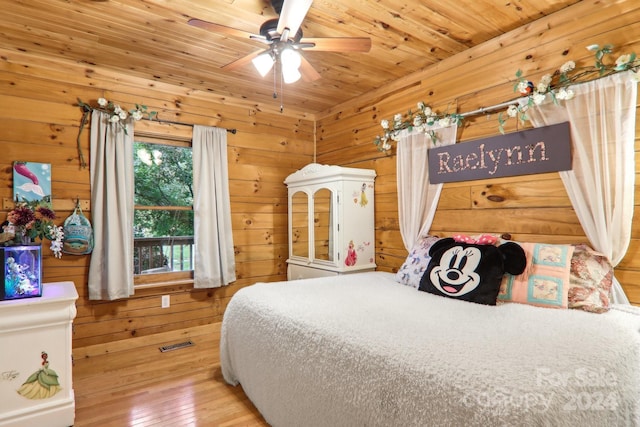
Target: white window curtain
[
  {"x": 601, "y": 185},
  {"x": 111, "y": 266},
  {"x": 417, "y": 198},
  {"x": 213, "y": 240}
]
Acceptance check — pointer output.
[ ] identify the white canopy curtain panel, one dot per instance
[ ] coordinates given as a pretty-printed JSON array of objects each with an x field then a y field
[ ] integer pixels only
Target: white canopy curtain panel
[
  {"x": 213, "y": 240},
  {"x": 111, "y": 266},
  {"x": 417, "y": 198},
  {"x": 602, "y": 115}
]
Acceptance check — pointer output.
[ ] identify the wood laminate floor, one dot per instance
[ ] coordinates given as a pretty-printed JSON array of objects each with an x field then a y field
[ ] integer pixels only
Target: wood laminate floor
[{"x": 134, "y": 384}]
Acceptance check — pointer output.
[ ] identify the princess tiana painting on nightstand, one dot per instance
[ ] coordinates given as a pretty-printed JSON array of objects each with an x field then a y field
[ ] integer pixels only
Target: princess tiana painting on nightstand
[{"x": 42, "y": 384}]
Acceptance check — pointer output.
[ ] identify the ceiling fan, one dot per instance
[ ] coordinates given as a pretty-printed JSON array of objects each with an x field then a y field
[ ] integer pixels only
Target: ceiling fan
[{"x": 285, "y": 41}]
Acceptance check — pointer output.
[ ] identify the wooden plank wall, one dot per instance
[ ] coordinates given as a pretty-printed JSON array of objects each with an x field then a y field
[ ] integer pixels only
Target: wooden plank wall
[
  {"x": 39, "y": 123},
  {"x": 534, "y": 208}
]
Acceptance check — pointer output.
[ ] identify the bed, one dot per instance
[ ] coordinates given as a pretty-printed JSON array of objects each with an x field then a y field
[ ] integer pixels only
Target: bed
[{"x": 363, "y": 350}]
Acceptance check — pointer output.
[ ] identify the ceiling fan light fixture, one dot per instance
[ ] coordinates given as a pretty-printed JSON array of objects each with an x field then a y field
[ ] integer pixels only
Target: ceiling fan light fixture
[
  {"x": 290, "y": 60},
  {"x": 263, "y": 63},
  {"x": 290, "y": 76}
]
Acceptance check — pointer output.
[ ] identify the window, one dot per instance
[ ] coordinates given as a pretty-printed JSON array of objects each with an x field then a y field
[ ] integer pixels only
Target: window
[{"x": 163, "y": 216}]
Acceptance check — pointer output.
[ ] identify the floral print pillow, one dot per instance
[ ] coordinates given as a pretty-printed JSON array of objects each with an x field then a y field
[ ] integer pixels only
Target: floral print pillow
[
  {"x": 416, "y": 263},
  {"x": 591, "y": 280}
]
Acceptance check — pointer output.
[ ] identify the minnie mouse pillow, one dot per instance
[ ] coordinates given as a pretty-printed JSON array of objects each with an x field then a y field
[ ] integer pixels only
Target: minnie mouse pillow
[{"x": 469, "y": 269}]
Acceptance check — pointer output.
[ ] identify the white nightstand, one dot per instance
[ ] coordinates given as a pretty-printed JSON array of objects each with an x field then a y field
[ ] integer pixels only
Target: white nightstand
[{"x": 35, "y": 342}]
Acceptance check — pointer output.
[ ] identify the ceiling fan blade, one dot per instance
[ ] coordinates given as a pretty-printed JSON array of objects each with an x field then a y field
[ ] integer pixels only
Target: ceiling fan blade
[
  {"x": 309, "y": 74},
  {"x": 223, "y": 29},
  {"x": 338, "y": 44},
  {"x": 292, "y": 14},
  {"x": 240, "y": 62}
]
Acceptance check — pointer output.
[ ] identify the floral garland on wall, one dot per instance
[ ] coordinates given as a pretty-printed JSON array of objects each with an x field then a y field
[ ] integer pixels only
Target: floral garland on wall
[
  {"x": 421, "y": 120},
  {"x": 116, "y": 115},
  {"x": 556, "y": 85}
]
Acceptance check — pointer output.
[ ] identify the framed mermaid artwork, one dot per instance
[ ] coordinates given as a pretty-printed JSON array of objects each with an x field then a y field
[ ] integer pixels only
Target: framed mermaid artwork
[{"x": 31, "y": 181}]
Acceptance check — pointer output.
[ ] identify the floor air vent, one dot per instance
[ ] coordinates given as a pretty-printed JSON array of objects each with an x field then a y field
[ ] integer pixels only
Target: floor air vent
[{"x": 176, "y": 346}]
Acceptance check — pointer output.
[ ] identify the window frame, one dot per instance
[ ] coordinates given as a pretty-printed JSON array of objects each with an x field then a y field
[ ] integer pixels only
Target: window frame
[{"x": 173, "y": 135}]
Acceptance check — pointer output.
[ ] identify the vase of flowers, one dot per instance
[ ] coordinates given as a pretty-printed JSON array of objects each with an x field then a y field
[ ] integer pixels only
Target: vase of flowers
[{"x": 31, "y": 220}]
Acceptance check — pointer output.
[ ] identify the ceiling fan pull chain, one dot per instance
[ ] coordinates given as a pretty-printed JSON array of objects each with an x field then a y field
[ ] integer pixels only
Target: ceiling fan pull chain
[
  {"x": 281, "y": 91},
  {"x": 275, "y": 82}
]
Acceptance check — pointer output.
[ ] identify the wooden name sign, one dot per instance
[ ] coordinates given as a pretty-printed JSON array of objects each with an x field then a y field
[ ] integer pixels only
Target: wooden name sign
[{"x": 539, "y": 150}]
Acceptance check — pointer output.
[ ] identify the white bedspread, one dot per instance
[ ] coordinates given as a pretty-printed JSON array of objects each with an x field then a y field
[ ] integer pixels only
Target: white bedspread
[{"x": 364, "y": 350}]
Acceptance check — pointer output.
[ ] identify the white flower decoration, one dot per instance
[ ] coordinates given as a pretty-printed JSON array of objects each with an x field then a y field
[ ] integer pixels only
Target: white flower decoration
[
  {"x": 567, "y": 66},
  {"x": 421, "y": 105},
  {"x": 544, "y": 83},
  {"x": 512, "y": 111},
  {"x": 623, "y": 59},
  {"x": 523, "y": 87},
  {"x": 115, "y": 118},
  {"x": 542, "y": 87},
  {"x": 417, "y": 121},
  {"x": 384, "y": 124},
  {"x": 565, "y": 94},
  {"x": 57, "y": 235},
  {"x": 445, "y": 122},
  {"x": 397, "y": 118},
  {"x": 546, "y": 79},
  {"x": 538, "y": 98},
  {"x": 102, "y": 102},
  {"x": 136, "y": 114},
  {"x": 427, "y": 111}
]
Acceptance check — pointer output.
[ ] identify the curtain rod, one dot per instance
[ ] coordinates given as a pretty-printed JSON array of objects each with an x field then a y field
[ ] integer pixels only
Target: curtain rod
[
  {"x": 172, "y": 122},
  {"x": 482, "y": 110}
]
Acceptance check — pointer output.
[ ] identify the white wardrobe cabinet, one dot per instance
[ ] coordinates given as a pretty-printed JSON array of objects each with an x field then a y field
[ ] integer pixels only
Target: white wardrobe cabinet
[{"x": 331, "y": 221}]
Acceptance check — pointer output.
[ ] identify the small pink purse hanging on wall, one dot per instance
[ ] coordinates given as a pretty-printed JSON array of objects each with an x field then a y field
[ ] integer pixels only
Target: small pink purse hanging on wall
[{"x": 78, "y": 233}]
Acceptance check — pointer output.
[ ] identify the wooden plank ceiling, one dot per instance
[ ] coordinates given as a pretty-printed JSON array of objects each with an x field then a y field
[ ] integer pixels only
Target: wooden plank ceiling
[{"x": 151, "y": 39}]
